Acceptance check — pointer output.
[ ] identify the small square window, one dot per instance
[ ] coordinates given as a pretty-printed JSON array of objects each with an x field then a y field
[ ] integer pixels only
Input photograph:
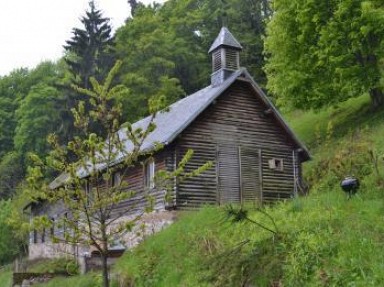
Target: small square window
[{"x": 276, "y": 164}]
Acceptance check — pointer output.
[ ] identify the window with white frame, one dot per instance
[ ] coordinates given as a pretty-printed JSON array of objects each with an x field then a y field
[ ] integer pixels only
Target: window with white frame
[{"x": 149, "y": 173}]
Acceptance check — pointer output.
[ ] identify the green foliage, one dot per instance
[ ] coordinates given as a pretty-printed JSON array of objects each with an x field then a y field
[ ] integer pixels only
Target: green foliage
[
  {"x": 165, "y": 47},
  {"x": 345, "y": 140},
  {"x": 59, "y": 265},
  {"x": 353, "y": 157},
  {"x": 26, "y": 119},
  {"x": 12, "y": 88},
  {"x": 87, "y": 166},
  {"x": 11, "y": 174},
  {"x": 9, "y": 245},
  {"x": 88, "y": 280},
  {"x": 38, "y": 116},
  {"x": 324, "y": 52},
  {"x": 5, "y": 277}
]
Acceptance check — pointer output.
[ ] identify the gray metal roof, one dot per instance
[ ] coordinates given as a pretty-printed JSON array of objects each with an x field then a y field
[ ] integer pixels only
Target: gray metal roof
[
  {"x": 225, "y": 38},
  {"x": 171, "y": 123}
]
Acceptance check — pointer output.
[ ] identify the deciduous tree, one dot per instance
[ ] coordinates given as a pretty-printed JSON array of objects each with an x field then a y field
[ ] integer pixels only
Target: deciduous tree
[
  {"x": 324, "y": 52},
  {"x": 87, "y": 186}
]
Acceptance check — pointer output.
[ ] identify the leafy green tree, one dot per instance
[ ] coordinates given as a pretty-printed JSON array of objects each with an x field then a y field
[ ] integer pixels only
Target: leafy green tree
[
  {"x": 13, "y": 88},
  {"x": 166, "y": 45},
  {"x": 11, "y": 174},
  {"x": 9, "y": 245},
  {"x": 37, "y": 117},
  {"x": 39, "y": 110},
  {"x": 324, "y": 52},
  {"x": 92, "y": 219},
  {"x": 145, "y": 49},
  {"x": 18, "y": 122}
]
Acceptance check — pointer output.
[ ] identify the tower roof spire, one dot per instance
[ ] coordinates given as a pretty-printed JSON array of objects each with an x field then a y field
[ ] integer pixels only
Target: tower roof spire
[{"x": 225, "y": 38}]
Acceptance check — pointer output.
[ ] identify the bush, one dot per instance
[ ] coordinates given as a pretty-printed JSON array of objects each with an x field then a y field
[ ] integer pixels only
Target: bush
[{"x": 58, "y": 265}]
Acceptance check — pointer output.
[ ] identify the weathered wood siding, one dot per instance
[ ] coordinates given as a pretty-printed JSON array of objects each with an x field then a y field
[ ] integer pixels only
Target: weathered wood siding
[
  {"x": 240, "y": 138},
  {"x": 134, "y": 177}
]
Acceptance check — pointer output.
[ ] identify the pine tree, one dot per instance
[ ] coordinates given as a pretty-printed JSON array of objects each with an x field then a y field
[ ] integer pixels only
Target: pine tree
[
  {"x": 90, "y": 50},
  {"x": 90, "y": 53}
]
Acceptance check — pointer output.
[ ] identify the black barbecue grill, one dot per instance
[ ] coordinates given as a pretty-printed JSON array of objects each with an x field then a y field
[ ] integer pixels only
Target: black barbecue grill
[{"x": 350, "y": 185}]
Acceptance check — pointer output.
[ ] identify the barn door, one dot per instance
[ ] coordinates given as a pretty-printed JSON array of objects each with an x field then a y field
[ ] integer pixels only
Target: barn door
[
  {"x": 228, "y": 174},
  {"x": 250, "y": 174},
  {"x": 238, "y": 174}
]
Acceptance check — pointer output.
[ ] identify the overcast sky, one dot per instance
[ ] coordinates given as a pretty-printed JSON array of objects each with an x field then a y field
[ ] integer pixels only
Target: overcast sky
[{"x": 35, "y": 30}]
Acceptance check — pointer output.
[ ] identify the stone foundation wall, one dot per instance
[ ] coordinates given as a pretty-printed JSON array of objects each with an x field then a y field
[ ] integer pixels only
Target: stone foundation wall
[
  {"x": 55, "y": 250},
  {"x": 149, "y": 224}
]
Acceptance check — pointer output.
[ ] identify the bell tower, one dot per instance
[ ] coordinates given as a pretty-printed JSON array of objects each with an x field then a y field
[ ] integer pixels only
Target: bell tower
[{"x": 225, "y": 52}]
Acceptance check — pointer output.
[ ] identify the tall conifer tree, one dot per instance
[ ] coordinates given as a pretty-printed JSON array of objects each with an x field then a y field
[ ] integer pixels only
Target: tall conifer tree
[
  {"x": 90, "y": 53},
  {"x": 90, "y": 50}
]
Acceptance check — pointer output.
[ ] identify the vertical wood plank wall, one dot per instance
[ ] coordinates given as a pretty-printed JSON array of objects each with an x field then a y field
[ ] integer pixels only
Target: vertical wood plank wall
[
  {"x": 135, "y": 179},
  {"x": 236, "y": 119}
]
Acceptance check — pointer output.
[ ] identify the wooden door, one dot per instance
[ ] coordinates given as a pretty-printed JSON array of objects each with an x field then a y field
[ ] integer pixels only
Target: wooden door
[
  {"x": 228, "y": 174},
  {"x": 238, "y": 171},
  {"x": 250, "y": 164}
]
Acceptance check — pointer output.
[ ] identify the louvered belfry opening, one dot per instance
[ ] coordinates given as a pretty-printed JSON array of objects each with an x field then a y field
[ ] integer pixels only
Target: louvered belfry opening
[
  {"x": 231, "y": 59},
  {"x": 225, "y": 52},
  {"x": 216, "y": 60}
]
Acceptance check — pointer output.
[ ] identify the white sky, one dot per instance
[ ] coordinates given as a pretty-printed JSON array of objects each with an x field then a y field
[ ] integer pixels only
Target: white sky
[{"x": 35, "y": 30}]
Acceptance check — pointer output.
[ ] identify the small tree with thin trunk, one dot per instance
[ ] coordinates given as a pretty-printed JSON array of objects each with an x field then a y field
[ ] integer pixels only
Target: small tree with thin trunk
[{"x": 87, "y": 186}]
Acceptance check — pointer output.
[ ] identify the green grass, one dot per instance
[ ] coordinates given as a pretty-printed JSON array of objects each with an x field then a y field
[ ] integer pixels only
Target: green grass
[
  {"x": 88, "y": 280},
  {"x": 311, "y": 126},
  {"x": 322, "y": 239},
  {"x": 5, "y": 277}
]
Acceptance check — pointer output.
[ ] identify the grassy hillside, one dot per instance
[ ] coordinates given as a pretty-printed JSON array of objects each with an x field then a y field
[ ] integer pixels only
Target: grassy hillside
[{"x": 322, "y": 239}]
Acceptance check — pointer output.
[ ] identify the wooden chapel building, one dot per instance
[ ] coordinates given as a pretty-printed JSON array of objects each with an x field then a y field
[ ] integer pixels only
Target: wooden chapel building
[{"x": 256, "y": 156}]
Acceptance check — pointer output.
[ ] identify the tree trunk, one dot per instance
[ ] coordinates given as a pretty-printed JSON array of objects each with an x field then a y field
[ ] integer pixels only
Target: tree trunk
[
  {"x": 104, "y": 254},
  {"x": 377, "y": 98},
  {"x": 104, "y": 261}
]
